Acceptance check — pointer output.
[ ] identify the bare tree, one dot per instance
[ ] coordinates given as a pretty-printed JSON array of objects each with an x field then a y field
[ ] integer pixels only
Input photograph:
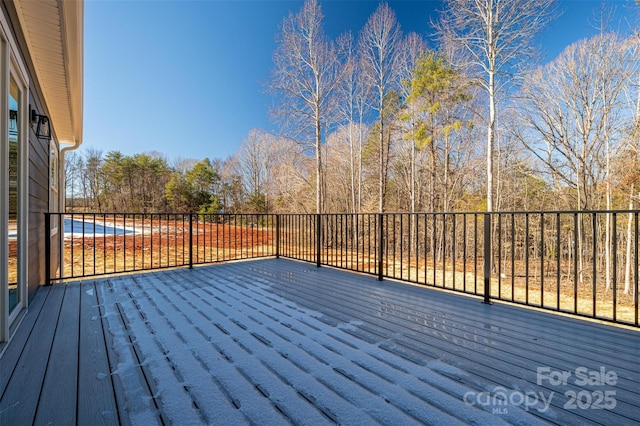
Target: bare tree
[
  {"x": 633, "y": 146},
  {"x": 493, "y": 38},
  {"x": 379, "y": 43},
  {"x": 575, "y": 110},
  {"x": 352, "y": 95},
  {"x": 341, "y": 161},
  {"x": 307, "y": 70},
  {"x": 73, "y": 167},
  {"x": 255, "y": 160},
  {"x": 292, "y": 178},
  {"x": 91, "y": 180},
  {"x": 576, "y": 115}
]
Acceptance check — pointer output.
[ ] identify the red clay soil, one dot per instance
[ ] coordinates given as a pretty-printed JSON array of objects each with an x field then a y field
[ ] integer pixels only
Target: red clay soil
[{"x": 174, "y": 235}]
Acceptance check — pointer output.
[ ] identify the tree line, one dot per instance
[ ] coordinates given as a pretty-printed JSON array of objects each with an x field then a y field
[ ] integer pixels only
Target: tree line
[
  {"x": 114, "y": 182},
  {"x": 381, "y": 121}
]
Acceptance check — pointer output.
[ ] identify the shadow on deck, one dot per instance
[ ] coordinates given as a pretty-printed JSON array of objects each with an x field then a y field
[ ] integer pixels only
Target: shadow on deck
[{"x": 279, "y": 342}]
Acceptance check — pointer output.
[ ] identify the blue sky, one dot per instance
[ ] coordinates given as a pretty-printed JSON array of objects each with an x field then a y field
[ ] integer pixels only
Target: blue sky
[{"x": 187, "y": 78}]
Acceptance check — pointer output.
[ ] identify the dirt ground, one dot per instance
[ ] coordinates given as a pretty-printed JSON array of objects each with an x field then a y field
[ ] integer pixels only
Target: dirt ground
[{"x": 162, "y": 243}]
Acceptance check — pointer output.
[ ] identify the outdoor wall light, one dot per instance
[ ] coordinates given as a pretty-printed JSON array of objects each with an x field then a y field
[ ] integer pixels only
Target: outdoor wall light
[
  {"x": 43, "y": 127},
  {"x": 13, "y": 121}
]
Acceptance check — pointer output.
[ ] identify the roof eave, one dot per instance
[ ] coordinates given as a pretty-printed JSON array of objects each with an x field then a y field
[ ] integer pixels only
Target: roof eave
[{"x": 58, "y": 50}]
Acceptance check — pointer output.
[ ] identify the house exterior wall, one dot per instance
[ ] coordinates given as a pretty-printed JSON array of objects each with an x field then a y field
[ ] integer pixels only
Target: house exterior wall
[{"x": 38, "y": 205}]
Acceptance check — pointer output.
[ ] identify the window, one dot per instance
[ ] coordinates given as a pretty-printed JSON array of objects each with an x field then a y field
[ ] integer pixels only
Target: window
[{"x": 53, "y": 167}]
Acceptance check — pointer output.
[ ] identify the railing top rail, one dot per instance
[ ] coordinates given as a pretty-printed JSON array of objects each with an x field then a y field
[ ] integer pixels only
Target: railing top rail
[
  {"x": 494, "y": 213},
  {"x": 159, "y": 213}
]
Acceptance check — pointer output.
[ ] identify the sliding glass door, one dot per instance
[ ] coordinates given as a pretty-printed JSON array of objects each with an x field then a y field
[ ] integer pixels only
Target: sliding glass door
[{"x": 14, "y": 189}]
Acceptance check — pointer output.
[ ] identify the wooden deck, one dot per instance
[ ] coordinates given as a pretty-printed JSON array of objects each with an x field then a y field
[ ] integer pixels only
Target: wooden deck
[{"x": 274, "y": 341}]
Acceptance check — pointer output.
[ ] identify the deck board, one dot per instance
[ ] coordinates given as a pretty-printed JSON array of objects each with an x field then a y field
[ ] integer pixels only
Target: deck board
[
  {"x": 59, "y": 391},
  {"x": 113, "y": 359},
  {"x": 282, "y": 342},
  {"x": 13, "y": 351},
  {"x": 96, "y": 399},
  {"x": 493, "y": 362},
  {"x": 19, "y": 408}
]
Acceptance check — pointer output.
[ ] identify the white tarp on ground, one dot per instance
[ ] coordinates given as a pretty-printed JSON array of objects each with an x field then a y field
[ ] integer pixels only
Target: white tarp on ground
[{"x": 75, "y": 228}]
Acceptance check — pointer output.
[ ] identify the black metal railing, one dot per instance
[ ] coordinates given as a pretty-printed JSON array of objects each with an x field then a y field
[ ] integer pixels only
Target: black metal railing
[
  {"x": 561, "y": 261},
  {"x": 551, "y": 260},
  {"x": 109, "y": 243}
]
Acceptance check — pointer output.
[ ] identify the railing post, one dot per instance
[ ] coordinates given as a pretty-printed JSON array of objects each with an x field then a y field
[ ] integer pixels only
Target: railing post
[
  {"x": 487, "y": 258},
  {"x": 380, "y": 245},
  {"x": 318, "y": 240},
  {"x": 47, "y": 248},
  {"x": 60, "y": 265},
  {"x": 277, "y": 236},
  {"x": 190, "y": 240}
]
